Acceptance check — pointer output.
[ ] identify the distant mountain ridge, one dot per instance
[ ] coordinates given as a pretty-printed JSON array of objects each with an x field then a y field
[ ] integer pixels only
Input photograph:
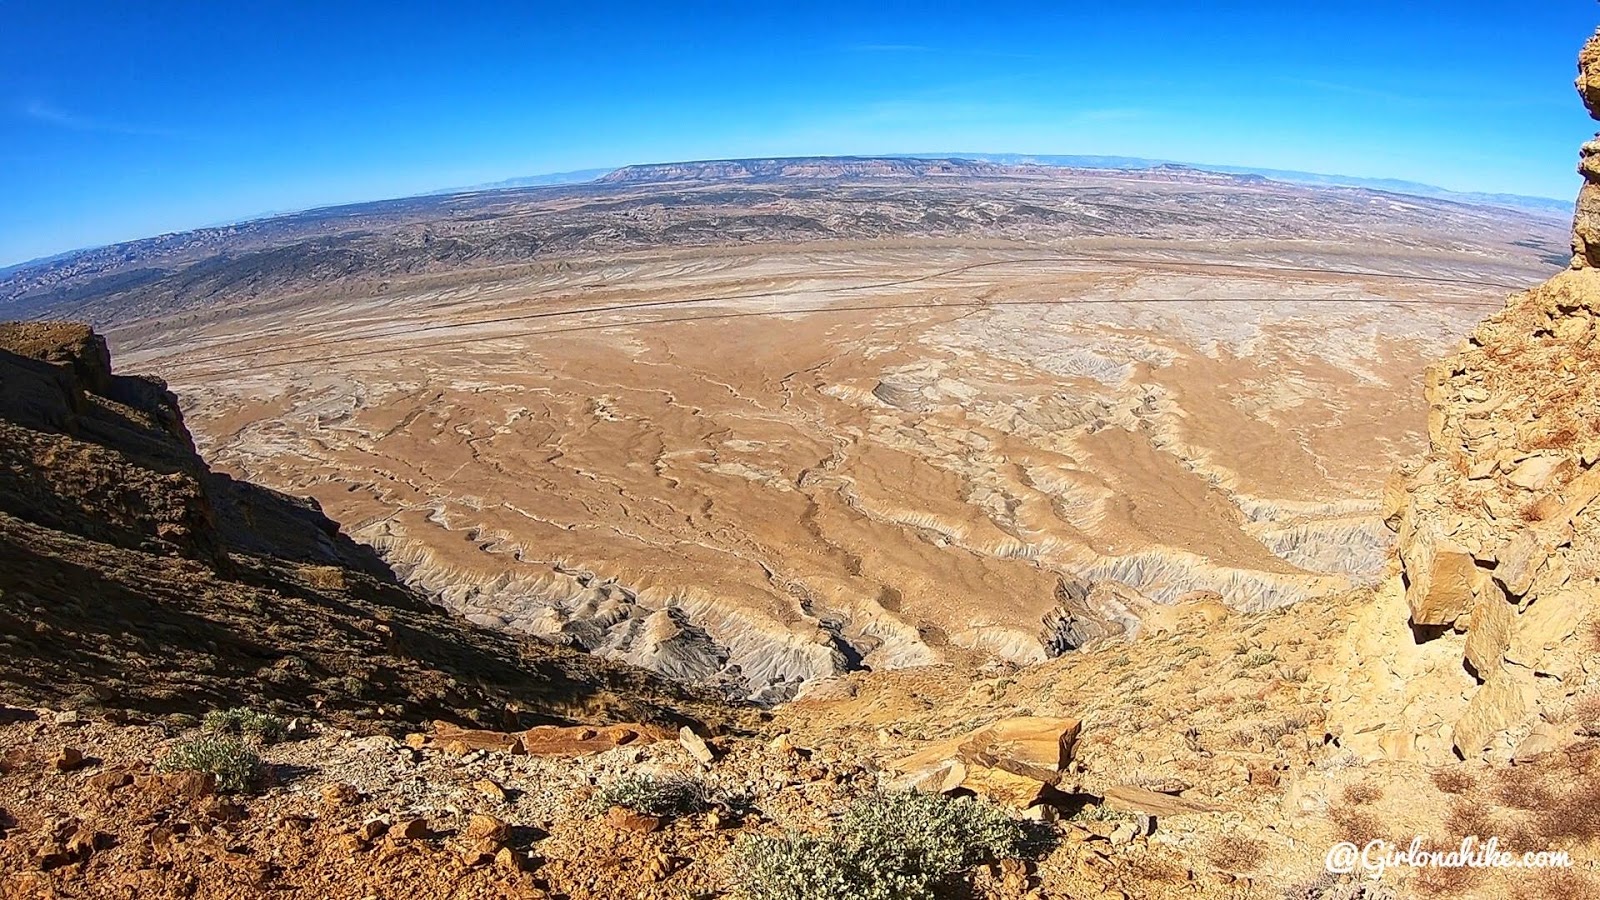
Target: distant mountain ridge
[
  {"x": 1562, "y": 208},
  {"x": 887, "y": 165},
  {"x": 577, "y": 176},
  {"x": 804, "y": 167},
  {"x": 917, "y": 165}
]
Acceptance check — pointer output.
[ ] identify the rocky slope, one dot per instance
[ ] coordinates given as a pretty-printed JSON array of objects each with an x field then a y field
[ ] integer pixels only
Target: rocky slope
[
  {"x": 137, "y": 579},
  {"x": 1485, "y": 637}
]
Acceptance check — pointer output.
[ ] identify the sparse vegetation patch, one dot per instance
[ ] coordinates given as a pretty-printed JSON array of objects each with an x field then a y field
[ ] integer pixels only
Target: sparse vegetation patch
[
  {"x": 236, "y": 766},
  {"x": 653, "y": 796},
  {"x": 246, "y": 722},
  {"x": 888, "y": 846}
]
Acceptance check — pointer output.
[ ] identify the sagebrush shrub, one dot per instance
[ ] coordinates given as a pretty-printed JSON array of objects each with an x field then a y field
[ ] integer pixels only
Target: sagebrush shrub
[
  {"x": 245, "y": 722},
  {"x": 888, "y": 846},
  {"x": 653, "y": 796},
  {"x": 794, "y": 867},
  {"x": 237, "y": 767}
]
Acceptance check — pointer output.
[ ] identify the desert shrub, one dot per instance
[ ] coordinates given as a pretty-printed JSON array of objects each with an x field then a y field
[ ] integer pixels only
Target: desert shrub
[
  {"x": 793, "y": 867},
  {"x": 653, "y": 796},
  {"x": 1452, "y": 781},
  {"x": 1362, "y": 793},
  {"x": 888, "y": 846},
  {"x": 237, "y": 767},
  {"x": 1338, "y": 761},
  {"x": 1234, "y": 853},
  {"x": 245, "y": 722}
]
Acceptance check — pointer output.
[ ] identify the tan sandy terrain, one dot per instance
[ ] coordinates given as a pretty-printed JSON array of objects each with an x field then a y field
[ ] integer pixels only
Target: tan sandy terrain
[
  {"x": 764, "y": 464},
  {"x": 758, "y": 424}
]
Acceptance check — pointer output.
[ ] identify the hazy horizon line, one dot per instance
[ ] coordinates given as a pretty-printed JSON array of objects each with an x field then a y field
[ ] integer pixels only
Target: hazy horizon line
[{"x": 6, "y": 268}]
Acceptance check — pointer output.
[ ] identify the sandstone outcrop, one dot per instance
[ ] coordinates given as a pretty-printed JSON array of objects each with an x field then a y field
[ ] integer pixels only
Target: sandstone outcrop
[
  {"x": 1499, "y": 543},
  {"x": 1499, "y": 533},
  {"x": 1017, "y": 761},
  {"x": 1586, "y": 220}
]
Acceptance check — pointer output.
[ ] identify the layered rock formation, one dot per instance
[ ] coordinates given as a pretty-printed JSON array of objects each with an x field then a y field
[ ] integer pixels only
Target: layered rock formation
[
  {"x": 1586, "y": 219},
  {"x": 1484, "y": 641}
]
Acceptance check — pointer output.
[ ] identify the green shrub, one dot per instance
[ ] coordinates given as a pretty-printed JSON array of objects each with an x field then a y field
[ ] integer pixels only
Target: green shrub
[
  {"x": 245, "y": 722},
  {"x": 236, "y": 766},
  {"x": 794, "y": 867},
  {"x": 888, "y": 846},
  {"x": 1259, "y": 658},
  {"x": 653, "y": 796}
]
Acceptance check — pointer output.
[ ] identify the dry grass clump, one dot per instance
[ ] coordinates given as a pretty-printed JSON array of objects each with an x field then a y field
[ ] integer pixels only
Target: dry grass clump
[
  {"x": 1235, "y": 853},
  {"x": 1544, "y": 884},
  {"x": 1358, "y": 826},
  {"x": 1452, "y": 781},
  {"x": 1584, "y": 718},
  {"x": 1362, "y": 793},
  {"x": 1439, "y": 881}
]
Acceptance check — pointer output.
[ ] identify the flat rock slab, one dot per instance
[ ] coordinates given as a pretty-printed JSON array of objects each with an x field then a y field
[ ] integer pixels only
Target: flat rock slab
[
  {"x": 455, "y": 739},
  {"x": 554, "y": 740},
  {"x": 1015, "y": 761},
  {"x": 1129, "y": 798},
  {"x": 546, "y": 740}
]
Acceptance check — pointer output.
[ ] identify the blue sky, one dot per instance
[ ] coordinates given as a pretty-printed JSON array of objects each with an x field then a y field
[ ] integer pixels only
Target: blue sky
[{"x": 121, "y": 120}]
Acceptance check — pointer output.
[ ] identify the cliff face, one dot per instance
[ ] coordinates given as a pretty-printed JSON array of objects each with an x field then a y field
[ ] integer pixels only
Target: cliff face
[
  {"x": 135, "y": 578},
  {"x": 1586, "y": 220},
  {"x": 1484, "y": 639}
]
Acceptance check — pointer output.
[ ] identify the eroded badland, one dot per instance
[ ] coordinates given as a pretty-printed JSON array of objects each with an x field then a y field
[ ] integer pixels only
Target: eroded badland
[
  {"x": 1203, "y": 521},
  {"x": 770, "y": 464}
]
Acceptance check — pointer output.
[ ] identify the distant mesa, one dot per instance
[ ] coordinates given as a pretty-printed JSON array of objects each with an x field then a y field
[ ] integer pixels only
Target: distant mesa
[{"x": 802, "y": 167}]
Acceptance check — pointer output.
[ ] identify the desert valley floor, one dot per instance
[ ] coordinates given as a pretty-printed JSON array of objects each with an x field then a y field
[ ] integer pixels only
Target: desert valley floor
[{"x": 768, "y": 461}]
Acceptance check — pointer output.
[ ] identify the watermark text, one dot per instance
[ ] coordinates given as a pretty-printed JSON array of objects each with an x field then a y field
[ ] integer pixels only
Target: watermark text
[{"x": 1379, "y": 856}]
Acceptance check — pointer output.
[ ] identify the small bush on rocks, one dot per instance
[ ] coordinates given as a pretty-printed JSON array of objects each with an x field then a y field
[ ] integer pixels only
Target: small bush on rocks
[
  {"x": 652, "y": 796},
  {"x": 237, "y": 767},
  {"x": 888, "y": 846},
  {"x": 245, "y": 722}
]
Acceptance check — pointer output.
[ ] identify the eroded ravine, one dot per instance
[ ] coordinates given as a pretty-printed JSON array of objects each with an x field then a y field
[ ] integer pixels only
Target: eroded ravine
[{"x": 918, "y": 466}]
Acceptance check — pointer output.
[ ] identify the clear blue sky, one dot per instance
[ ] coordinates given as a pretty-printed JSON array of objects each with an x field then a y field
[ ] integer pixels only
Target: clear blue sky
[{"x": 125, "y": 119}]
